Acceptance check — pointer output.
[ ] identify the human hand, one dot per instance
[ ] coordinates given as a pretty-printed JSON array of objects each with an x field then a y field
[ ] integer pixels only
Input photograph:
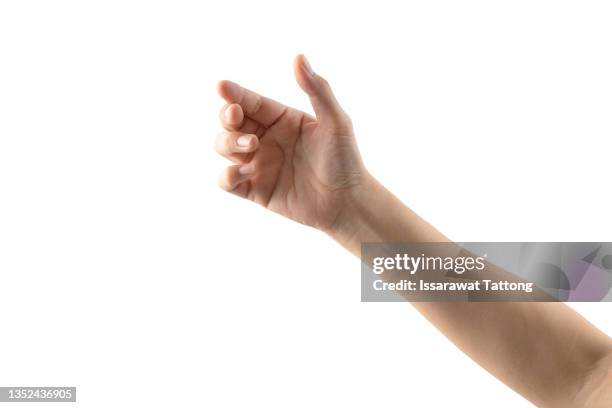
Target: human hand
[{"x": 305, "y": 168}]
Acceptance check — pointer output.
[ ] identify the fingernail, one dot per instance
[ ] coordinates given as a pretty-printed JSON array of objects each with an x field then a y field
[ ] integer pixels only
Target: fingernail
[
  {"x": 243, "y": 141},
  {"x": 246, "y": 169},
  {"x": 307, "y": 66}
]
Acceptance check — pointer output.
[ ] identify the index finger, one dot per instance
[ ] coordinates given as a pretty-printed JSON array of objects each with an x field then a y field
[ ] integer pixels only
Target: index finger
[
  {"x": 232, "y": 118},
  {"x": 259, "y": 108}
]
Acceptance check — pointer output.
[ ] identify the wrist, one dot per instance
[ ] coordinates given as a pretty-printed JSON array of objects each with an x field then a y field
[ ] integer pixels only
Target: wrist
[
  {"x": 354, "y": 220},
  {"x": 374, "y": 214}
]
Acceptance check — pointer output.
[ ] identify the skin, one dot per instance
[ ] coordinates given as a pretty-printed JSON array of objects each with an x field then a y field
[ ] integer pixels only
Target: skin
[{"x": 309, "y": 170}]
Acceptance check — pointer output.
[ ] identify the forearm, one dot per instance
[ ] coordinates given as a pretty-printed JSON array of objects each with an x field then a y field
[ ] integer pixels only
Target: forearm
[
  {"x": 376, "y": 215},
  {"x": 542, "y": 350}
]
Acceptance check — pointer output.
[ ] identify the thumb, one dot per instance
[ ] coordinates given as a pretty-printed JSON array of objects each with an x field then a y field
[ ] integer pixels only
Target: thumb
[{"x": 326, "y": 107}]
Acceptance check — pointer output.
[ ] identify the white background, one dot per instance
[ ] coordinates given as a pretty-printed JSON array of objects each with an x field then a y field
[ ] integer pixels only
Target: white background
[{"x": 124, "y": 269}]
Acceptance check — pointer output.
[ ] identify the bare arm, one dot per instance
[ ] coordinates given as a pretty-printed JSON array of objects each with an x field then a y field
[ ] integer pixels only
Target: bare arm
[
  {"x": 545, "y": 351},
  {"x": 309, "y": 170}
]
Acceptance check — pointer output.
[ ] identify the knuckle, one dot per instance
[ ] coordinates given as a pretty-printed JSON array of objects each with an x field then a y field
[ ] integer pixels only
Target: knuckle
[
  {"x": 325, "y": 84},
  {"x": 256, "y": 105}
]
